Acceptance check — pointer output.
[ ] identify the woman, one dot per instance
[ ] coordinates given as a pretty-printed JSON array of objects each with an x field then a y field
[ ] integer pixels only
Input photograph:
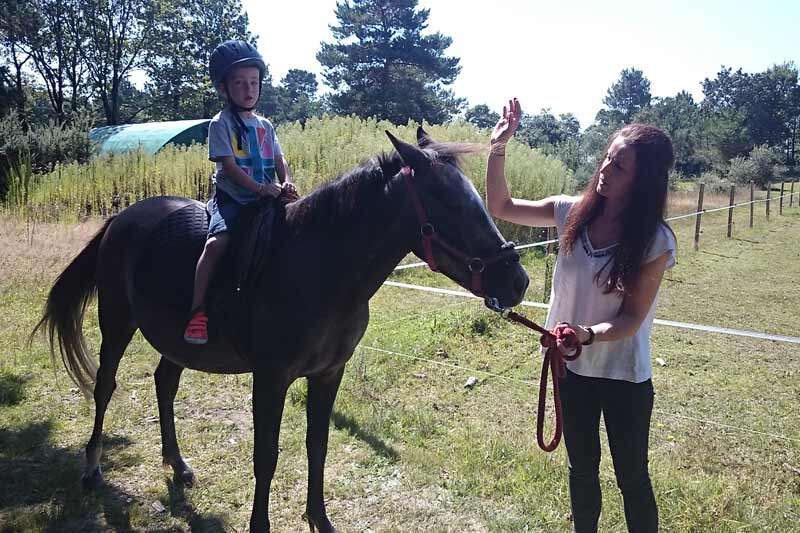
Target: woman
[{"x": 614, "y": 249}]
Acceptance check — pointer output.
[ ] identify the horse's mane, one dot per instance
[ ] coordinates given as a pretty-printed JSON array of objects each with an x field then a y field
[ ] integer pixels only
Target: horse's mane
[{"x": 346, "y": 198}]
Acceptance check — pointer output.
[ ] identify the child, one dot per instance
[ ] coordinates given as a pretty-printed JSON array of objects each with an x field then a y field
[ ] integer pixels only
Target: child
[{"x": 248, "y": 157}]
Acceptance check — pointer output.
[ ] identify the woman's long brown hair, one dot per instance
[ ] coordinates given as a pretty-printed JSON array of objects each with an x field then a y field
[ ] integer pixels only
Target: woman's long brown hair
[{"x": 642, "y": 215}]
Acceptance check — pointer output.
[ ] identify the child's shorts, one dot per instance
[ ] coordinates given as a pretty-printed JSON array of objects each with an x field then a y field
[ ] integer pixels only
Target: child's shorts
[{"x": 224, "y": 212}]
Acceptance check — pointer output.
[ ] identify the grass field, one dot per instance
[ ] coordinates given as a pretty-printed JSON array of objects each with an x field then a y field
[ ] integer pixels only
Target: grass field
[{"x": 412, "y": 448}]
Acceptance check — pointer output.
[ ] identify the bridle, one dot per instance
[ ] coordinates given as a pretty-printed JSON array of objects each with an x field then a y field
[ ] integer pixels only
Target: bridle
[
  {"x": 476, "y": 265},
  {"x": 554, "y": 360}
]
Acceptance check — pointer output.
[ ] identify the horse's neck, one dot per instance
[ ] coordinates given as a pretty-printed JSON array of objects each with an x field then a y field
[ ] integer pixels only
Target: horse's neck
[
  {"x": 364, "y": 258},
  {"x": 374, "y": 254}
]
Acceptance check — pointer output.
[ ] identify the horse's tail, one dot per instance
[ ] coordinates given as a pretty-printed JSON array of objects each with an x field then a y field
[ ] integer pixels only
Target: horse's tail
[{"x": 63, "y": 314}]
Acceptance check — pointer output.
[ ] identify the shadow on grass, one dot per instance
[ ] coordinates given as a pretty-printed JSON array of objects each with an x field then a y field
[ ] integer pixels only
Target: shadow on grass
[
  {"x": 40, "y": 487},
  {"x": 180, "y": 506},
  {"x": 349, "y": 424},
  {"x": 12, "y": 388},
  {"x": 719, "y": 255}
]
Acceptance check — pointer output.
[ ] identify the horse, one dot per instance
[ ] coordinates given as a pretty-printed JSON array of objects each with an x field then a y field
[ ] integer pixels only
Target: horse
[{"x": 335, "y": 249}]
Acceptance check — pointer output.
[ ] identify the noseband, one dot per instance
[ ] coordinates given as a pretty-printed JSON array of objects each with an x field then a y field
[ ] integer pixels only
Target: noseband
[{"x": 476, "y": 265}]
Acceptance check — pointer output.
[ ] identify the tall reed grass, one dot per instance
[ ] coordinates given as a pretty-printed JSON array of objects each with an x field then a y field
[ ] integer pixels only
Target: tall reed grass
[{"x": 325, "y": 148}]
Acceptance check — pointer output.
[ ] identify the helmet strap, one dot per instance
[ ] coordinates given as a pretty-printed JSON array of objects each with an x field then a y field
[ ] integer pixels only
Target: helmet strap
[{"x": 236, "y": 109}]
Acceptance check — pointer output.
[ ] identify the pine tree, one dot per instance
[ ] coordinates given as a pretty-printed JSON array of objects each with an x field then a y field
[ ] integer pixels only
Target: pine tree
[{"x": 381, "y": 65}]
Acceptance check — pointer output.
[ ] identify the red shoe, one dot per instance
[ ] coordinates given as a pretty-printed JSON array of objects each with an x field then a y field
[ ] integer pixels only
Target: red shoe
[{"x": 197, "y": 329}]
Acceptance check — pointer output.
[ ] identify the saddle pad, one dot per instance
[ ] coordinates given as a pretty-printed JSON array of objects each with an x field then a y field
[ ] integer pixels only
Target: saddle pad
[{"x": 165, "y": 269}]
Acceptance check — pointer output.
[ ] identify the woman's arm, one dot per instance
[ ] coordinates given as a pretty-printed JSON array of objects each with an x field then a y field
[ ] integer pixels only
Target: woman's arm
[
  {"x": 498, "y": 197},
  {"x": 635, "y": 305}
]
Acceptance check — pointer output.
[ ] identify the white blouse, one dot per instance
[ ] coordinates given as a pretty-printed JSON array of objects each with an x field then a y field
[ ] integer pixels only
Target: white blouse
[{"x": 577, "y": 298}]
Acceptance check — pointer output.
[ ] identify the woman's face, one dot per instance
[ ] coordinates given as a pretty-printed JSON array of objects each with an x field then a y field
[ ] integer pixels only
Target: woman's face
[{"x": 618, "y": 171}]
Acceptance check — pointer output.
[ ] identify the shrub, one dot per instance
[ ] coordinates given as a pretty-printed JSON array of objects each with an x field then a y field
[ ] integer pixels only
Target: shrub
[
  {"x": 39, "y": 149},
  {"x": 714, "y": 182},
  {"x": 760, "y": 166}
]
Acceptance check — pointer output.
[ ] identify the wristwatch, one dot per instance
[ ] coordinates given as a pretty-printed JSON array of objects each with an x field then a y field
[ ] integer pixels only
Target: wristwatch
[{"x": 591, "y": 336}]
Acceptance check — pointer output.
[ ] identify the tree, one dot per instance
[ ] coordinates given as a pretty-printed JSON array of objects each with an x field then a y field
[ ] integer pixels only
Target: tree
[
  {"x": 680, "y": 117},
  {"x": 555, "y": 136},
  {"x": 481, "y": 116},
  {"x": 768, "y": 104},
  {"x": 776, "y": 114},
  {"x": 570, "y": 126},
  {"x": 119, "y": 33},
  {"x": 540, "y": 129},
  {"x": 55, "y": 47},
  {"x": 297, "y": 97},
  {"x": 627, "y": 96},
  {"x": 726, "y": 135},
  {"x": 7, "y": 96},
  {"x": 185, "y": 34},
  {"x": 18, "y": 21},
  {"x": 730, "y": 90},
  {"x": 381, "y": 65},
  {"x": 545, "y": 129}
]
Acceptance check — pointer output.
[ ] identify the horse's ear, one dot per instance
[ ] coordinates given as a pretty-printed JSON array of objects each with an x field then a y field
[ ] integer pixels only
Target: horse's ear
[
  {"x": 410, "y": 154},
  {"x": 423, "y": 139}
]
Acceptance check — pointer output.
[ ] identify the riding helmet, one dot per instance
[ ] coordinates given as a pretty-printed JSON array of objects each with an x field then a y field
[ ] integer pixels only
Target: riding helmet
[{"x": 232, "y": 54}]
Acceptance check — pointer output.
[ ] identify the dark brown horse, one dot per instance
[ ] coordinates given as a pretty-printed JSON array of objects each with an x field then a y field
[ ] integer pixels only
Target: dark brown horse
[{"x": 308, "y": 308}]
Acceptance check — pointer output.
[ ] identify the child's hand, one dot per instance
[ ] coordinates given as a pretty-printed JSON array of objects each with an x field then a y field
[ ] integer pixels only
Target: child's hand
[
  {"x": 268, "y": 189},
  {"x": 289, "y": 193}
]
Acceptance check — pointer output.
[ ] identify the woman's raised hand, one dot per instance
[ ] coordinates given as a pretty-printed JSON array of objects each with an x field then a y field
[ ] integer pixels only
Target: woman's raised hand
[{"x": 507, "y": 125}]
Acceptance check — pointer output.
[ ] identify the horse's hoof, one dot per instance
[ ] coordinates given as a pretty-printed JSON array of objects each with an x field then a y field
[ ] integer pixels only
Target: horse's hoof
[
  {"x": 92, "y": 480},
  {"x": 322, "y": 524},
  {"x": 181, "y": 472},
  {"x": 186, "y": 477}
]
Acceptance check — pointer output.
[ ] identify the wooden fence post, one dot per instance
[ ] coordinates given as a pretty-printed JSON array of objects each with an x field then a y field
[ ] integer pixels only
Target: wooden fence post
[
  {"x": 730, "y": 210},
  {"x": 780, "y": 205},
  {"x": 791, "y": 194},
  {"x": 697, "y": 218},
  {"x": 752, "y": 205},
  {"x": 769, "y": 193}
]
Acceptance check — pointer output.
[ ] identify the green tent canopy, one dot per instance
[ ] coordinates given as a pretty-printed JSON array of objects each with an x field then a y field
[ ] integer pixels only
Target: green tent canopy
[{"x": 150, "y": 136}]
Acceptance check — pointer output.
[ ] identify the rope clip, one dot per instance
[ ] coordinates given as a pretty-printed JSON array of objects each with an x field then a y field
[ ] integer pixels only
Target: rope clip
[{"x": 494, "y": 305}]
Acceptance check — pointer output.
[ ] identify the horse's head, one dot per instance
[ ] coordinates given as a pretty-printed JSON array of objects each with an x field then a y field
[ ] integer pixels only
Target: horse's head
[{"x": 454, "y": 232}]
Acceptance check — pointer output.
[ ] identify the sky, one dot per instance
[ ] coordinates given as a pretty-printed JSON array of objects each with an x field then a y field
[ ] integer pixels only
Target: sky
[{"x": 562, "y": 54}]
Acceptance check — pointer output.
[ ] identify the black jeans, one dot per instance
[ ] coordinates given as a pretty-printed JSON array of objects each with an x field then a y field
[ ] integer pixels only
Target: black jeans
[{"x": 626, "y": 409}]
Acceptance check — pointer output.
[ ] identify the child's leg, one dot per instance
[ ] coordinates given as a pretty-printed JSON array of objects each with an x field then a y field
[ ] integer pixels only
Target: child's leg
[{"x": 212, "y": 252}]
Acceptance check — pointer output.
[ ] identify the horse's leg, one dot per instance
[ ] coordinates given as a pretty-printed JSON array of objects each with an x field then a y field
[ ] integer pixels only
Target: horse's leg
[
  {"x": 269, "y": 395},
  {"x": 168, "y": 376},
  {"x": 117, "y": 332},
  {"x": 321, "y": 395}
]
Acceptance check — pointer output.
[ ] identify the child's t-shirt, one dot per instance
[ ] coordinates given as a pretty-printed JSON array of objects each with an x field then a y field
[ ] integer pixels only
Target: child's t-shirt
[{"x": 254, "y": 151}]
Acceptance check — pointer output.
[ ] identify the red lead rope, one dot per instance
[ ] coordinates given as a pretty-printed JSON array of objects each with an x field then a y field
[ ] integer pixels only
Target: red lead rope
[{"x": 554, "y": 360}]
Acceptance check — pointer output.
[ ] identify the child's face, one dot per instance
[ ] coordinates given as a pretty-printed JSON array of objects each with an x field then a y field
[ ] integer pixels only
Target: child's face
[{"x": 243, "y": 86}]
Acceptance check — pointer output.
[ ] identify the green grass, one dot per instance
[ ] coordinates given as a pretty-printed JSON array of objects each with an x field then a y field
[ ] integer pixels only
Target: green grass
[{"x": 412, "y": 448}]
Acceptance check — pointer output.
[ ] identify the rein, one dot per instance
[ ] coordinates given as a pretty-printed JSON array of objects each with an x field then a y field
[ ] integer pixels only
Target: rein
[
  {"x": 553, "y": 360},
  {"x": 476, "y": 265}
]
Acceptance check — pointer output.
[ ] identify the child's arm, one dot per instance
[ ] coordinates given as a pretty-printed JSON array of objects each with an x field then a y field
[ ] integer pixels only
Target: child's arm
[
  {"x": 282, "y": 170},
  {"x": 241, "y": 178},
  {"x": 289, "y": 191}
]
